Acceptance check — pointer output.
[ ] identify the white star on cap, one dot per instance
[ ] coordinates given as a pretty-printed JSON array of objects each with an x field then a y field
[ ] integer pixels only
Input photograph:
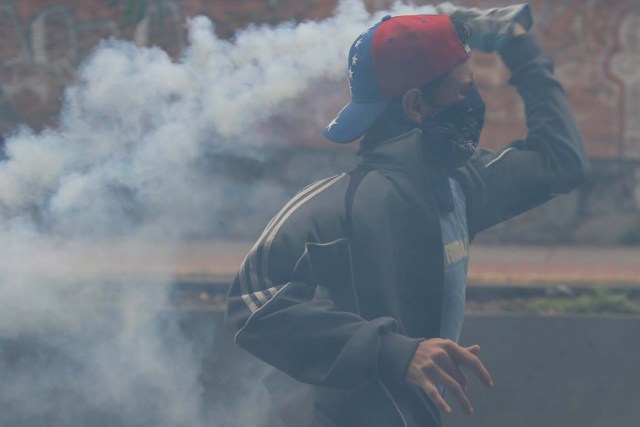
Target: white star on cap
[
  {"x": 332, "y": 124},
  {"x": 350, "y": 74},
  {"x": 358, "y": 43},
  {"x": 354, "y": 60}
]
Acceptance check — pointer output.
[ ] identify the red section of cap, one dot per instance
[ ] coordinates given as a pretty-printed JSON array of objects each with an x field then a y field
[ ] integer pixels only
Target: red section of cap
[{"x": 410, "y": 51}]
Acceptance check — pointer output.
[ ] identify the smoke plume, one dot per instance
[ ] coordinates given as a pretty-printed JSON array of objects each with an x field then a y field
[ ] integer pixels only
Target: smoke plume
[{"x": 149, "y": 153}]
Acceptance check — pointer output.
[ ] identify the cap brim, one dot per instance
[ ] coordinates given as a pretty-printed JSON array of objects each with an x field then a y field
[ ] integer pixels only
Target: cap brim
[{"x": 354, "y": 120}]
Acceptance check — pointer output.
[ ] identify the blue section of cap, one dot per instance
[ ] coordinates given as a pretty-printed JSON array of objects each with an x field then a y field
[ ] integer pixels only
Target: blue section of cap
[
  {"x": 362, "y": 77},
  {"x": 354, "y": 120},
  {"x": 367, "y": 102}
]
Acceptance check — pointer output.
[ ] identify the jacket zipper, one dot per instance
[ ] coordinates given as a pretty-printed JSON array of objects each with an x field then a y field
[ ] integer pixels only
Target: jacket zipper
[{"x": 357, "y": 305}]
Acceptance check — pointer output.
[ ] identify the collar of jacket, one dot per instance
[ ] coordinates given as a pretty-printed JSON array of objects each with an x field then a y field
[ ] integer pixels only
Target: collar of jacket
[
  {"x": 403, "y": 155},
  {"x": 400, "y": 154}
]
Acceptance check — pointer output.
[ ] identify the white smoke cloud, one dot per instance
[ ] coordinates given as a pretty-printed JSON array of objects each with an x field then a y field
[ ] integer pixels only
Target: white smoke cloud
[{"x": 142, "y": 156}]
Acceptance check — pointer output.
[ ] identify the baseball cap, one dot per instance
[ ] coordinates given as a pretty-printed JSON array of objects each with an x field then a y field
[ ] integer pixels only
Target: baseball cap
[{"x": 395, "y": 55}]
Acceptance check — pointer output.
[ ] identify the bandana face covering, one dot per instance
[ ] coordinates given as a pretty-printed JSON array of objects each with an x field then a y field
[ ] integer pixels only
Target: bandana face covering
[{"x": 451, "y": 135}]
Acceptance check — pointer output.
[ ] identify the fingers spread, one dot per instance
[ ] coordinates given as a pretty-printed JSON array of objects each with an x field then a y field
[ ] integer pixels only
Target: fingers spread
[
  {"x": 435, "y": 397},
  {"x": 466, "y": 358},
  {"x": 456, "y": 389},
  {"x": 452, "y": 369}
]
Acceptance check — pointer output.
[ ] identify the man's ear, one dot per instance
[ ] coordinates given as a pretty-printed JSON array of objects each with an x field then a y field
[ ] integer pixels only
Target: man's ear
[{"x": 415, "y": 109}]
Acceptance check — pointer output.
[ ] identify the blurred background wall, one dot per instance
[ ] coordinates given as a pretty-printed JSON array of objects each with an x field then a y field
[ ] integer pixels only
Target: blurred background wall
[{"x": 596, "y": 46}]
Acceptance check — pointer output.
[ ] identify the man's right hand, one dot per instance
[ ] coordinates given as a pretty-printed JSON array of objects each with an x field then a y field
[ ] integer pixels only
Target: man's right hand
[
  {"x": 491, "y": 28},
  {"x": 438, "y": 361}
]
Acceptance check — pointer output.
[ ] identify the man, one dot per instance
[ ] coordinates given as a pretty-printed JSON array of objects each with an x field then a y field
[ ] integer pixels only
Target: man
[{"x": 356, "y": 288}]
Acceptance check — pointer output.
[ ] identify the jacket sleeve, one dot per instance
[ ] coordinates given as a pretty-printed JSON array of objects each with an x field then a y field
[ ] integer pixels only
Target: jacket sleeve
[
  {"x": 549, "y": 161},
  {"x": 277, "y": 312}
]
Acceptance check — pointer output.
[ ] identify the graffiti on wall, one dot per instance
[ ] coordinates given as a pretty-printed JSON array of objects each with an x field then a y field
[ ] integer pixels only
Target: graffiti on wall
[
  {"x": 596, "y": 49},
  {"x": 41, "y": 52},
  {"x": 624, "y": 65}
]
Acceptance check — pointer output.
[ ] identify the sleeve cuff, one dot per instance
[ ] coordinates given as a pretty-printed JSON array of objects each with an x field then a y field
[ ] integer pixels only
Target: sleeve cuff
[
  {"x": 520, "y": 51},
  {"x": 395, "y": 355}
]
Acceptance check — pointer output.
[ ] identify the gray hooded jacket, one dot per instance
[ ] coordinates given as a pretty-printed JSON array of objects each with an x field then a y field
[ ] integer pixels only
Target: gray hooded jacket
[{"x": 347, "y": 279}]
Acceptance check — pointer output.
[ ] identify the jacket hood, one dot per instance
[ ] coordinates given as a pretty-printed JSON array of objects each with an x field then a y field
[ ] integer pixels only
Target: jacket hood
[{"x": 400, "y": 154}]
